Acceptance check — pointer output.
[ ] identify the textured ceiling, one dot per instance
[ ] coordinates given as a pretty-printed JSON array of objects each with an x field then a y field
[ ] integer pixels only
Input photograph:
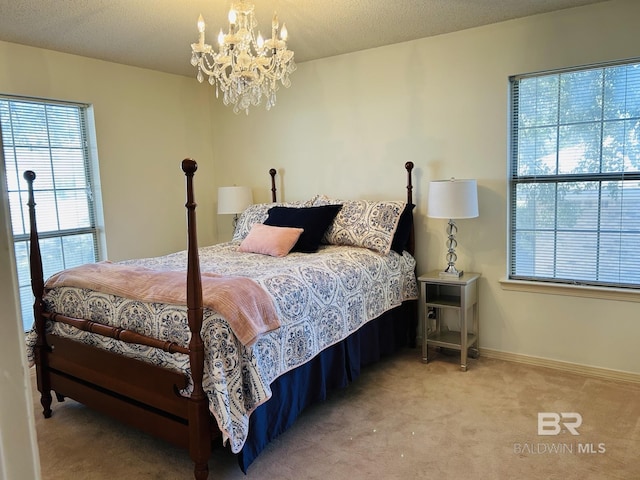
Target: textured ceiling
[{"x": 157, "y": 34}]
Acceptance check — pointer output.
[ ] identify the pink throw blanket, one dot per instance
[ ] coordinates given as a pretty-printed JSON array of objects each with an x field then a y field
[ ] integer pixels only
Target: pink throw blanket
[{"x": 245, "y": 305}]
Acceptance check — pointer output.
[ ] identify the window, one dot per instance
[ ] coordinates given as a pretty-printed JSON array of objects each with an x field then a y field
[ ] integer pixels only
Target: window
[
  {"x": 574, "y": 199},
  {"x": 52, "y": 140}
]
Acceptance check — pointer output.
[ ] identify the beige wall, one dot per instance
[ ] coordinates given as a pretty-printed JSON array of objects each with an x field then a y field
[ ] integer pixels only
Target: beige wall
[
  {"x": 346, "y": 127},
  {"x": 349, "y": 123},
  {"x": 146, "y": 123}
]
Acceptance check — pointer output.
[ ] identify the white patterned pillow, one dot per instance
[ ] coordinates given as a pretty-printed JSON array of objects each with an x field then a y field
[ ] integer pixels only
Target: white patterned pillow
[
  {"x": 258, "y": 213},
  {"x": 363, "y": 223}
]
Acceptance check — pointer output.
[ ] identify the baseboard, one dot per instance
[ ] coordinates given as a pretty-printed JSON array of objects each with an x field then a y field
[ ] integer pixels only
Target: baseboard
[{"x": 603, "y": 373}]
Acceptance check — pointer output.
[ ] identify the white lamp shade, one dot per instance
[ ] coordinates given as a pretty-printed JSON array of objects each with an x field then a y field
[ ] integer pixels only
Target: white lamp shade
[
  {"x": 453, "y": 199},
  {"x": 233, "y": 200}
]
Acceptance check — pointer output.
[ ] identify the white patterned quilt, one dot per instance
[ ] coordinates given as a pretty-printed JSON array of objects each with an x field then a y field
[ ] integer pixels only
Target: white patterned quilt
[{"x": 321, "y": 299}]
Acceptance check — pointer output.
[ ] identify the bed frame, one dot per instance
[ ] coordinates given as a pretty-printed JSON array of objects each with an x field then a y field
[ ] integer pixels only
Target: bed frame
[{"x": 132, "y": 391}]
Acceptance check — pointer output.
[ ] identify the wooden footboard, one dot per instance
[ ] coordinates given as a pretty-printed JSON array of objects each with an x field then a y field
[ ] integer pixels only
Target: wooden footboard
[{"x": 133, "y": 391}]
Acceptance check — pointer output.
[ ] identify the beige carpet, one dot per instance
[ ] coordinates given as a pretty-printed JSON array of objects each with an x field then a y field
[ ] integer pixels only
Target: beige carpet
[{"x": 401, "y": 420}]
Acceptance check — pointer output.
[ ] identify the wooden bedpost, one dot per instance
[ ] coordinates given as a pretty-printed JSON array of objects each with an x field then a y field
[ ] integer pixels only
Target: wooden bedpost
[
  {"x": 272, "y": 172},
  {"x": 412, "y": 306},
  {"x": 411, "y": 246},
  {"x": 41, "y": 349},
  {"x": 199, "y": 426}
]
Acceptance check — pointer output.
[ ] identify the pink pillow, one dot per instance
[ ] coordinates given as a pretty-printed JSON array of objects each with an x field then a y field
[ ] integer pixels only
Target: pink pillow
[{"x": 270, "y": 240}]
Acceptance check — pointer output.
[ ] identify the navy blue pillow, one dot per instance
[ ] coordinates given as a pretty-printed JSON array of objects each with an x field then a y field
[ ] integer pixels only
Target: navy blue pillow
[
  {"x": 403, "y": 231},
  {"x": 314, "y": 221}
]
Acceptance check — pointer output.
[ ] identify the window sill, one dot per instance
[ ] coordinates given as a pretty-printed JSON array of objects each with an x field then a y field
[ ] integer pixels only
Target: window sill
[{"x": 620, "y": 294}]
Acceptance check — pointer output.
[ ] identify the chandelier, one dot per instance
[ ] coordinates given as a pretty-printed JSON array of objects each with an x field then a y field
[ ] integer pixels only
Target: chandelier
[{"x": 246, "y": 67}]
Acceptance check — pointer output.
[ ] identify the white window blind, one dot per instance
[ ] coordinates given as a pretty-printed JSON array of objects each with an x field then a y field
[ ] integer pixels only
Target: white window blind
[
  {"x": 574, "y": 198},
  {"x": 50, "y": 139}
]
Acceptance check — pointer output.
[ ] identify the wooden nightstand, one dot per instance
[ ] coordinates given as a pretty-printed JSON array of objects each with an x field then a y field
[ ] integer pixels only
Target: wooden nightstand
[{"x": 459, "y": 294}]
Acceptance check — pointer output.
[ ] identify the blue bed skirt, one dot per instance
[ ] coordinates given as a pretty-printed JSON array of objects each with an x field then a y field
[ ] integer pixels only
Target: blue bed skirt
[{"x": 333, "y": 368}]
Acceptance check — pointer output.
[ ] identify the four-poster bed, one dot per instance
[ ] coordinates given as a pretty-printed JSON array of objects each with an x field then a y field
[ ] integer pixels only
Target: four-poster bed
[{"x": 199, "y": 379}]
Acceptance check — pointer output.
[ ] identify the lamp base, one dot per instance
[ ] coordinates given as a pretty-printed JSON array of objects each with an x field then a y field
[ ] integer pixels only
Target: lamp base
[{"x": 447, "y": 274}]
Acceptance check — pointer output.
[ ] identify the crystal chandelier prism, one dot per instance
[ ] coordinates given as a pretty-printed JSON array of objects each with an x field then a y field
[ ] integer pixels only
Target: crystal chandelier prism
[{"x": 246, "y": 68}]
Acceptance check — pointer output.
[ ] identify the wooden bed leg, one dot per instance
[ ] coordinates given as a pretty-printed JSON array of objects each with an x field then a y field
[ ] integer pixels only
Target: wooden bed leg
[
  {"x": 45, "y": 401},
  {"x": 45, "y": 398},
  {"x": 40, "y": 352},
  {"x": 200, "y": 438},
  {"x": 201, "y": 472},
  {"x": 59, "y": 397}
]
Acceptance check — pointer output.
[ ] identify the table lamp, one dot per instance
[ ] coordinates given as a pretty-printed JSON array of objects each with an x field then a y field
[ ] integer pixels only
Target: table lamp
[
  {"x": 233, "y": 200},
  {"x": 452, "y": 199}
]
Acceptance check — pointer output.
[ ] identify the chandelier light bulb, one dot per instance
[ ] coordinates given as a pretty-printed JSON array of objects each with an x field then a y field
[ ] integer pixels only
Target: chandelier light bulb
[
  {"x": 283, "y": 32},
  {"x": 233, "y": 16},
  {"x": 201, "y": 27},
  {"x": 260, "y": 41},
  {"x": 221, "y": 38}
]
